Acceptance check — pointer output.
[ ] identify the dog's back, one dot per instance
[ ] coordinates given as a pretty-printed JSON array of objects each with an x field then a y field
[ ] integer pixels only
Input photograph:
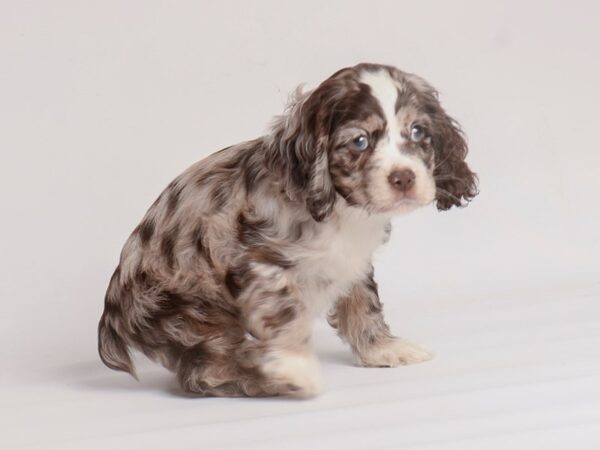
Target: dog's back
[{"x": 166, "y": 294}]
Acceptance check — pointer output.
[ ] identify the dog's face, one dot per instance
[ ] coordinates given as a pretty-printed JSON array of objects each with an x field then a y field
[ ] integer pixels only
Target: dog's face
[
  {"x": 383, "y": 159},
  {"x": 379, "y": 138}
]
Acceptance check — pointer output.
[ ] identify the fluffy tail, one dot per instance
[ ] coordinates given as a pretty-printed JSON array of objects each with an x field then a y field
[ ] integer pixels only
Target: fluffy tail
[{"x": 112, "y": 348}]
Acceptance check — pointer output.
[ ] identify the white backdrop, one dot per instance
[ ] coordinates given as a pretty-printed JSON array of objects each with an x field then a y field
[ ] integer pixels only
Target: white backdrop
[{"x": 103, "y": 103}]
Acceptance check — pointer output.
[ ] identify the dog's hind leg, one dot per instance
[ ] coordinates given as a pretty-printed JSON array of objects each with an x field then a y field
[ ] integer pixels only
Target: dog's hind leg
[
  {"x": 207, "y": 373},
  {"x": 277, "y": 327}
]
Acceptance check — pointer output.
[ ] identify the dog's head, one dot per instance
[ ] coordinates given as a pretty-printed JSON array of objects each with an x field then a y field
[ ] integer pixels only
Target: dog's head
[{"x": 379, "y": 138}]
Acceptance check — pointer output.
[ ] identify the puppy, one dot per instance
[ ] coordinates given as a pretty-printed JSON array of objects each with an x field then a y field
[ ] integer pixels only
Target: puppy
[{"x": 221, "y": 280}]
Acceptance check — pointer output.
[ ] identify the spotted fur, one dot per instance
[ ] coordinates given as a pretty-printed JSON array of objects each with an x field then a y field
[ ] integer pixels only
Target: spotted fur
[{"x": 221, "y": 280}]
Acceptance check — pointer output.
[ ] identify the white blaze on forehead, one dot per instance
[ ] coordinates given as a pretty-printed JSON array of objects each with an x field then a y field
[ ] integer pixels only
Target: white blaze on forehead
[
  {"x": 388, "y": 155},
  {"x": 385, "y": 92}
]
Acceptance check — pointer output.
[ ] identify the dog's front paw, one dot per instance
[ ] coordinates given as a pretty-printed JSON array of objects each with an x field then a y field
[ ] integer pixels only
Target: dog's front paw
[
  {"x": 393, "y": 353},
  {"x": 293, "y": 374}
]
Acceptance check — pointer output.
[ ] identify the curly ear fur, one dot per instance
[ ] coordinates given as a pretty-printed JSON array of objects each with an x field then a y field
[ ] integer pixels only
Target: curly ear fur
[
  {"x": 456, "y": 184},
  {"x": 301, "y": 140}
]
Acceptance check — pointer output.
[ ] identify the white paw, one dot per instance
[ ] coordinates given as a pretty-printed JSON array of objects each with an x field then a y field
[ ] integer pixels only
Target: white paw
[
  {"x": 394, "y": 353},
  {"x": 297, "y": 375}
]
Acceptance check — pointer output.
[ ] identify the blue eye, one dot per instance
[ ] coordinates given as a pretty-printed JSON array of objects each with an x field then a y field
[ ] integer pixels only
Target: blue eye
[
  {"x": 417, "y": 133},
  {"x": 360, "y": 143}
]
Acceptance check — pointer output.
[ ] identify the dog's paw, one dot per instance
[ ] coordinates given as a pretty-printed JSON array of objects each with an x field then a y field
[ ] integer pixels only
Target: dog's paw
[
  {"x": 292, "y": 374},
  {"x": 394, "y": 353}
]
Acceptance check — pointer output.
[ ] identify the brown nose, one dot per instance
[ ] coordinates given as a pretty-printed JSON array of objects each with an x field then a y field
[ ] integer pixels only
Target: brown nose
[{"x": 402, "y": 180}]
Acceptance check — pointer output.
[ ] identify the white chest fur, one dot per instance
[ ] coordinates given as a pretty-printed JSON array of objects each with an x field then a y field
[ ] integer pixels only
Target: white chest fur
[{"x": 339, "y": 255}]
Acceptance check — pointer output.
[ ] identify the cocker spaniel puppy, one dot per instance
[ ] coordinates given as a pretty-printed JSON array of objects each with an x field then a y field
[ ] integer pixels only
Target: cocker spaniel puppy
[{"x": 221, "y": 280}]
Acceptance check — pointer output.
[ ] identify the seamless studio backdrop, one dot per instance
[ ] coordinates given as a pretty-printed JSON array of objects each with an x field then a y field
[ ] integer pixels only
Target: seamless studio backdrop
[{"x": 103, "y": 103}]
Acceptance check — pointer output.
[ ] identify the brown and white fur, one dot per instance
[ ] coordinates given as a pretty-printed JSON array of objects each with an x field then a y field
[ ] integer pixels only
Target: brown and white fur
[{"x": 222, "y": 279}]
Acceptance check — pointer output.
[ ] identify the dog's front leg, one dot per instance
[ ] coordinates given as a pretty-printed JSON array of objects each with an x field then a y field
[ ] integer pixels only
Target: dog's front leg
[
  {"x": 358, "y": 318},
  {"x": 278, "y": 327}
]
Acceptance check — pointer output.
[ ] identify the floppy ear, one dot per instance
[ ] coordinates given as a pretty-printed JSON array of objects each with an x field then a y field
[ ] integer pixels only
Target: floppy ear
[
  {"x": 301, "y": 142},
  {"x": 456, "y": 184},
  {"x": 321, "y": 194}
]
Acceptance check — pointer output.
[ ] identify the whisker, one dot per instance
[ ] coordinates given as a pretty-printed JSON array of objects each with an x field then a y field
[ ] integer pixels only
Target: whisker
[
  {"x": 448, "y": 194},
  {"x": 437, "y": 166},
  {"x": 450, "y": 178}
]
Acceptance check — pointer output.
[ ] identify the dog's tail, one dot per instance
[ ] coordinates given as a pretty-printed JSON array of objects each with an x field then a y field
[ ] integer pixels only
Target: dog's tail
[{"x": 112, "y": 348}]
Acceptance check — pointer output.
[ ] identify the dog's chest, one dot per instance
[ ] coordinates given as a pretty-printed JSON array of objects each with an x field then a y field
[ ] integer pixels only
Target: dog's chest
[{"x": 338, "y": 256}]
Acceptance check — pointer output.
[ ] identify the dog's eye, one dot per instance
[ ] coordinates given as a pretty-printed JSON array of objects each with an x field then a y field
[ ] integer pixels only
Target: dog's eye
[
  {"x": 360, "y": 143},
  {"x": 417, "y": 133}
]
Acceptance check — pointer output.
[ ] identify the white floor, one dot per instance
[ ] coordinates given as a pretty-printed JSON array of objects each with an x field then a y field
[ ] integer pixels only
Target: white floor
[{"x": 518, "y": 372}]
